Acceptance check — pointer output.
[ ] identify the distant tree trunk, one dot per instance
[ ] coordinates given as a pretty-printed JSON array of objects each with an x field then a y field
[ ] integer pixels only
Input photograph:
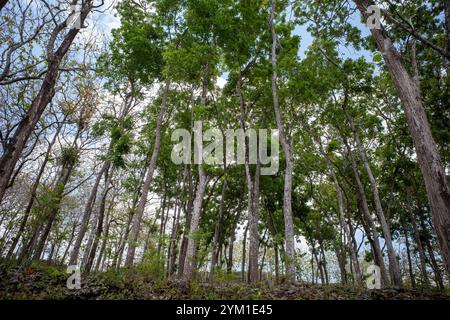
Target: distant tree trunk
[
  {"x": 427, "y": 241},
  {"x": 318, "y": 262},
  {"x": 33, "y": 192},
  {"x": 253, "y": 214},
  {"x": 262, "y": 263},
  {"x": 117, "y": 260},
  {"x": 408, "y": 254},
  {"x": 161, "y": 215},
  {"x": 244, "y": 246},
  {"x": 190, "y": 260},
  {"x": 87, "y": 214},
  {"x": 69, "y": 243},
  {"x": 233, "y": 234},
  {"x": 230, "y": 254},
  {"x": 136, "y": 222},
  {"x": 436, "y": 183},
  {"x": 418, "y": 241},
  {"x": 187, "y": 224},
  {"x": 100, "y": 220},
  {"x": 394, "y": 267},
  {"x": 172, "y": 256},
  {"x": 351, "y": 245},
  {"x": 14, "y": 148},
  {"x": 218, "y": 226},
  {"x": 341, "y": 258},
  {"x": 287, "y": 149},
  {"x": 52, "y": 212},
  {"x": 277, "y": 264},
  {"x": 253, "y": 248},
  {"x": 323, "y": 261},
  {"x": 100, "y": 257},
  {"x": 366, "y": 212}
]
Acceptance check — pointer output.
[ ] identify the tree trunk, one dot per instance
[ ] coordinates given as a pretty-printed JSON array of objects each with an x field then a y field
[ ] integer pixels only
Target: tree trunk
[
  {"x": 187, "y": 224},
  {"x": 363, "y": 201},
  {"x": 351, "y": 245},
  {"x": 287, "y": 149},
  {"x": 176, "y": 224},
  {"x": 218, "y": 227},
  {"x": 436, "y": 183},
  {"x": 87, "y": 214},
  {"x": 190, "y": 260},
  {"x": 253, "y": 214},
  {"x": 33, "y": 193},
  {"x": 100, "y": 219},
  {"x": 408, "y": 253},
  {"x": 51, "y": 214},
  {"x": 394, "y": 267},
  {"x": 244, "y": 246},
  {"x": 69, "y": 243},
  {"x": 422, "y": 257},
  {"x": 136, "y": 222}
]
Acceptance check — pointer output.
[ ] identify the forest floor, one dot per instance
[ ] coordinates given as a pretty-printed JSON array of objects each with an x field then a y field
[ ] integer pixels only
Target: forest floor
[{"x": 44, "y": 281}]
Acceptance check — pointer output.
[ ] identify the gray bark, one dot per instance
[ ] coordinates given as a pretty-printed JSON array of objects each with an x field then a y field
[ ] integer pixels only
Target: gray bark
[
  {"x": 136, "y": 222},
  {"x": 190, "y": 259},
  {"x": 436, "y": 183},
  {"x": 287, "y": 149},
  {"x": 87, "y": 215},
  {"x": 394, "y": 267},
  {"x": 365, "y": 208}
]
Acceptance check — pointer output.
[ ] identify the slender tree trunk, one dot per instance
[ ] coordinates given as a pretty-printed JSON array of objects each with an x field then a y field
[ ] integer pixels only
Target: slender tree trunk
[
  {"x": 253, "y": 249},
  {"x": 366, "y": 212},
  {"x": 100, "y": 257},
  {"x": 218, "y": 227},
  {"x": 253, "y": 269},
  {"x": 50, "y": 215},
  {"x": 394, "y": 267},
  {"x": 87, "y": 214},
  {"x": 175, "y": 226},
  {"x": 244, "y": 247},
  {"x": 436, "y": 183},
  {"x": 287, "y": 149},
  {"x": 341, "y": 258},
  {"x": 100, "y": 220},
  {"x": 136, "y": 222},
  {"x": 230, "y": 254},
  {"x": 117, "y": 261},
  {"x": 33, "y": 193},
  {"x": 324, "y": 261},
  {"x": 190, "y": 260},
  {"x": 351, "y": 245},
  {"x": 408, "y": 253},
  {"x": 233, "y": 235},
  {"x": 422, "y": 257},
  {"x": 434, "y": 265},
  {"x": 187, "y": 224},
  {"x": 69, "y": 243}
]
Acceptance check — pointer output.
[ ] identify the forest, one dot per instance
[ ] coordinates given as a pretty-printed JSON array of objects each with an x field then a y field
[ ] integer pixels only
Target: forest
[{"x": 224, "y": 149}]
